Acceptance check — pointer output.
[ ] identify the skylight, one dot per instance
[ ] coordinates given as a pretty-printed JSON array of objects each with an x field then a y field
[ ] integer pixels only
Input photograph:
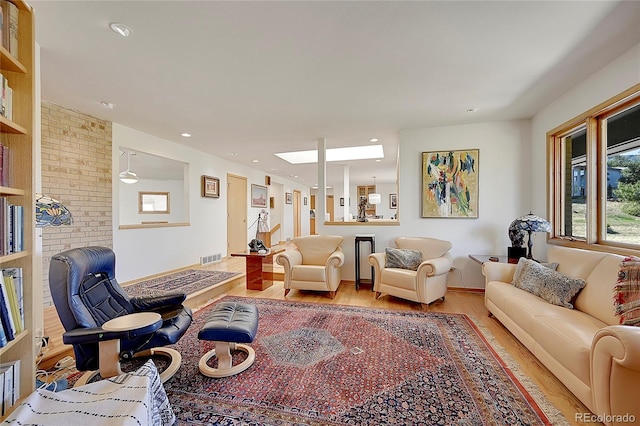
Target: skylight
[{"x": 366, "y": 152}]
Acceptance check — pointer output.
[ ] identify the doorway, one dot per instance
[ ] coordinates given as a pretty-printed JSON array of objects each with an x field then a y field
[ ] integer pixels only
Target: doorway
[{"x": 236, "y": 214}]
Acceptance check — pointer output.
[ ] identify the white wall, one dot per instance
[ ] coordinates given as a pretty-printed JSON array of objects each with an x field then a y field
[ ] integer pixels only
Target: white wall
[
  {"x": 503, "y": 153},
  {"x": 144, "y": 252},
  {"x": 610, "y": 81}
]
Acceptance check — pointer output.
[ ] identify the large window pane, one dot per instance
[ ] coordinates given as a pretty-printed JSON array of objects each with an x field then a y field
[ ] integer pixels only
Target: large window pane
[
  {"x": 622, "y": 134},
  {"x": 574, "y": 166}
]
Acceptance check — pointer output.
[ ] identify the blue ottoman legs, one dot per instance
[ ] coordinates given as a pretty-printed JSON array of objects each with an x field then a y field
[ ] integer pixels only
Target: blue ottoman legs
[{"x": 229, "y": 326}]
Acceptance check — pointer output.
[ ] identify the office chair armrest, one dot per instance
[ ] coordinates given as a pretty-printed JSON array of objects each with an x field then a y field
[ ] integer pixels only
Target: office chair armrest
[
  {"x": 97, "y": 334},
  {"x": 158, "y": 303}
]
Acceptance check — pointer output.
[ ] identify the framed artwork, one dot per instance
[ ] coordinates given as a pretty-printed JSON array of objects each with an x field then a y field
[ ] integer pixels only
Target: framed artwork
[
  {"x": 210, "y": 186},
  {"x": 288, "y": 198},
  {"x": 259, "y": 195},
  {"x": 305, "y": 201},
  {"x": 153, "y": 202},
  {"x": 393, "y": 201},
  {"x": 341, "y": 201},
  {"x": 450, "y": 184}
]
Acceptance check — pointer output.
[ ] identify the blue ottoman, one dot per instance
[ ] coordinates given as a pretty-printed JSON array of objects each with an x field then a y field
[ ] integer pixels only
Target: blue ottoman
[{"x": 229, "y": 325}]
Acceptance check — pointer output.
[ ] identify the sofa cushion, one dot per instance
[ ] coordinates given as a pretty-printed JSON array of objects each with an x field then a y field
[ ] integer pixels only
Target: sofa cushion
[
  {"x": 596, "y": 298},
  {"x": 402, "y": 258},
  {"x": 546, "y": 283},
  {"x": 401, "y": 278},
  {"x": 308, "y": 273},
  {"x": 316, "y": 249}
]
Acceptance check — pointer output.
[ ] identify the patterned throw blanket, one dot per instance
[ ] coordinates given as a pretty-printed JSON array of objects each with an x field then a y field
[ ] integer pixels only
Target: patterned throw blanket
[{"x": 627, "y": 291}]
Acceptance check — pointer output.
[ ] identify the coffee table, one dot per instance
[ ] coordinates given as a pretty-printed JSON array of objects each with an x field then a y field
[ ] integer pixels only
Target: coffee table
[{"x": 259, "y": 268}]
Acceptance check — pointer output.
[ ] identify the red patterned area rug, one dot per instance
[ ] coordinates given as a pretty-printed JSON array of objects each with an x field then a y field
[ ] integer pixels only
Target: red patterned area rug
[
  {"x": 188, "y": 281},
  {"x": 323, "y": 364}
]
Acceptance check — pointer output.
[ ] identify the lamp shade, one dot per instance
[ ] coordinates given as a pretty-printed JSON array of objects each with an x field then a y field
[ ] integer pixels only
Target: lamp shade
[
  {"x": 128, "y": 177},
  {"x": 51, "y": 212},
  {"x": 375, "y": 198},
  {"x": 526, "y": 225}
]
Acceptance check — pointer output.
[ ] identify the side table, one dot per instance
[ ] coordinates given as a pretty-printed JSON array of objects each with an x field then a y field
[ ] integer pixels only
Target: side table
[
  {"x": 482, "y": 258},
  {"x": 371, "y": 238},
  {"x": 259, "y": 268}
]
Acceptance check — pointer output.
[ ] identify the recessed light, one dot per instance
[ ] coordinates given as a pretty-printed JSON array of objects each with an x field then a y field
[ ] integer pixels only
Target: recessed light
[
  {"x": 255, "y": 161},
  {"x": 373, "y": 140},
  {"x": 185, "y": 135},
  {"x": 378, "y": 160},
  {"x": 106, "y": 104},
  {"x": 472, "y": 110},
  {"x": 121, "y": 29}
]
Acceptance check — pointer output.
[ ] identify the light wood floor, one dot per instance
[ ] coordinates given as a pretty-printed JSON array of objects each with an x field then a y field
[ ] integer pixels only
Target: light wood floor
[{"x": 469, "y": 303}]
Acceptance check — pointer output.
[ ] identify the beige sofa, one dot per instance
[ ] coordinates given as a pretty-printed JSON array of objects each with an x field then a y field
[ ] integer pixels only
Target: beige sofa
[{"x": 585, "y": 348}]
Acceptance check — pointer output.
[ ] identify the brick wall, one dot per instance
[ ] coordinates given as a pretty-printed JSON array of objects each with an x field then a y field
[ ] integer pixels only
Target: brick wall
[{"x": 76, "y": 170}]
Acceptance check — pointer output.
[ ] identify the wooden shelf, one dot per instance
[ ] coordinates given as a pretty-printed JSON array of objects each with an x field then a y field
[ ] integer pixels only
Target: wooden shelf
[
  {"x": 8, "y": 126},
  {"x": 7, "y": 190},
  {"x": 14, "y": 256},
  {"x": 10, "y": 62},
  {"x": 13, "y": 342}
]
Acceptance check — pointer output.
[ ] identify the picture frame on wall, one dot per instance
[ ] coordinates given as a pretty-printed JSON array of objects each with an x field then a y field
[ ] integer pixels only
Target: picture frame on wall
[
  {"x": 305, "y": 201},
  {"x": 210, "y": 186},
  {"x": 259, "y": 195},
  {"x": 288, "y": 198},
  {"x": 450, "y": 184},
  {"x": 393, "y": 201},
  {"x": 341, "y": 201}
]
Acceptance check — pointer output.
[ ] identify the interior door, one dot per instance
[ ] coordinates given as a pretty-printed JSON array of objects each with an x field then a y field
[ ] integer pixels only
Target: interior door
[
  {"x": 297, "y": 216},
  {"x": 330, "y": 207},
  {"x": 236, "y": 214}
]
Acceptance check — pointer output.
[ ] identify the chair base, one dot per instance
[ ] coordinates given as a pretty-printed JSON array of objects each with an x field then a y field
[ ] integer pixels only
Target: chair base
[
  {"x": 225, "y": 368},
  {"x": 174, "y": 364}
]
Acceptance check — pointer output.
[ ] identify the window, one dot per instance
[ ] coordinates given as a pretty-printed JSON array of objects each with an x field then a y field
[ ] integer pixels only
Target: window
[{"x": 595, "y": 177}]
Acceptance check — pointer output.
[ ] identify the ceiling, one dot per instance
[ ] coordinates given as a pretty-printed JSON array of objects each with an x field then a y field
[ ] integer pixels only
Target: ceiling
[{"x": 249, "y": 79}]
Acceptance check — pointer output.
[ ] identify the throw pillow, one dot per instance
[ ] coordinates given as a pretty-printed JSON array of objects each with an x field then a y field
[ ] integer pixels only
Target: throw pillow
[
  {"x": 546, "y": 283},
  {"x": 627, "y": 292},
  {"x": 402, "y": 258}
]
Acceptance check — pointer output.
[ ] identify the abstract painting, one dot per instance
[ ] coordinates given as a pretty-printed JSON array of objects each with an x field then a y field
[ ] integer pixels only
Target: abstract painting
[{"x": 450, "y": 184}]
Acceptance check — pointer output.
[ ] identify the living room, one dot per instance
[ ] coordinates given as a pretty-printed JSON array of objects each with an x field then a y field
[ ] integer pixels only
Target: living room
[{"x": 513, "y": 175}]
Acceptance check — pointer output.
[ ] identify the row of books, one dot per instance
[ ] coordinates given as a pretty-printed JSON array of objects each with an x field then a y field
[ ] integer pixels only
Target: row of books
[
  {"x": 11, "y": 305},
  {"x": 6, "y": 98},
  {"x": 5, "y": 165},
  {"x": 9, "y": 22},
  {"x": 11, "y": 227},
  {"x": 9, "y": 384}
]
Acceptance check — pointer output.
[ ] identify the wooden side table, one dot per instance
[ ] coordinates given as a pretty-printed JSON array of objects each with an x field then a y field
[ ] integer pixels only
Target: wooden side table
[
  {"x": 482, "y": 258},
  {"x": 371, "y": 238},
  {"x": 259, "y": 268}
]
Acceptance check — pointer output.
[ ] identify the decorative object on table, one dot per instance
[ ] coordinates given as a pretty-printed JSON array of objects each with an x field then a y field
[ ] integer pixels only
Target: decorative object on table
[
  {"x": 256, "y": 245},
  {"x": 258, "y": 195},
  {"x": 450, "y": 184},
  {"x": 210, "y": 186},
  {"x": 393, "y": 201},
  {"x": 362, "y": 208},
  {"x": 51, "y": 212},
  {"x": 525, "y": 225},
  {"x": 262, "y": 230},
  {"x": 288, "y": 198},
  {"x": 386, "y": 350}
]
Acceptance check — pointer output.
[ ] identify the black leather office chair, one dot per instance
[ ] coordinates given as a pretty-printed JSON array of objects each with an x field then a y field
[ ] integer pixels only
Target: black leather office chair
[{"x": 87, "y": 295}]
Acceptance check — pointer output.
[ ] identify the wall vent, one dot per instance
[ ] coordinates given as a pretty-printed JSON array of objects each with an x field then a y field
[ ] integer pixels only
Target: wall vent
[{"x": 205, "y": 260}]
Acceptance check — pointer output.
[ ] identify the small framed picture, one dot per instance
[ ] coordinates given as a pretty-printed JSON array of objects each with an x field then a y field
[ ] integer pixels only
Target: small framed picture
[
  {"x": 288, "y": 198},
  {"x": 259, "y": 195},
  {"x": 393, "y": 201},
  {"x": 305, "y": 201},
  {"x": 210, "y": 186},
  {"x": 341, "y": 201}
]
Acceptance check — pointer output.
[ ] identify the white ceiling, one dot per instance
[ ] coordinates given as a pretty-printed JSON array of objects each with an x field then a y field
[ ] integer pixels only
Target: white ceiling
[{"x": 255, "y": 78}]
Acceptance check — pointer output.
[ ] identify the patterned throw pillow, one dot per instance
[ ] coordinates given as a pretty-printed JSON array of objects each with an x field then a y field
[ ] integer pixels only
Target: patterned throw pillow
[
  {"x": 627, "y": 291},
  {"x": 546, "y": 283},
  {"x": 402, "y": 258}
]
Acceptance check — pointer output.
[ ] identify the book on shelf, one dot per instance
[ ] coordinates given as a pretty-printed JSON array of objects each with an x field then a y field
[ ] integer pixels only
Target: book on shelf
[
  {"x": 9, "y": 26},
  {"x": 14, "y": 309},
  {"x": 11, "y": 227},
  {"x": 14, "y": 276},
  {"x": 5, "y": 312},
  {"x": 3, "y": 335},
  {"x": 11, "y": 389},
  {"x": 5, "y": 158}
]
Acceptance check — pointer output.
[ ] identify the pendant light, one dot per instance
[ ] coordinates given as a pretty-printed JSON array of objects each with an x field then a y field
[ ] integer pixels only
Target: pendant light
[
  {"x": 128, "y": 176},
  {"x": 375, "y": 198}
]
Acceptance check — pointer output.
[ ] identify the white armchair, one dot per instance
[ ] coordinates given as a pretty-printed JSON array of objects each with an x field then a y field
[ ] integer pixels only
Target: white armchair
[
  {"x": 425, "y": 284},
  {"x": 314, "y": 264}
]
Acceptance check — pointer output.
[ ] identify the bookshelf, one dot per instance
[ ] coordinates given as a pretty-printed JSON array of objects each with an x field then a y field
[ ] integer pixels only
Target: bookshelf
[{"x": 18, "y": 135}]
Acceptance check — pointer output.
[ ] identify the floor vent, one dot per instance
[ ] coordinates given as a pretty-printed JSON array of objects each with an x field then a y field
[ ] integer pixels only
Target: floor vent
[{"x": 205, "y": 260}]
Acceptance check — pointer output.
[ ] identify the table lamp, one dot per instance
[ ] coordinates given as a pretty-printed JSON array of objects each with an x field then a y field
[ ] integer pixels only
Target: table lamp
[{"x": 527, "y": 224}]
